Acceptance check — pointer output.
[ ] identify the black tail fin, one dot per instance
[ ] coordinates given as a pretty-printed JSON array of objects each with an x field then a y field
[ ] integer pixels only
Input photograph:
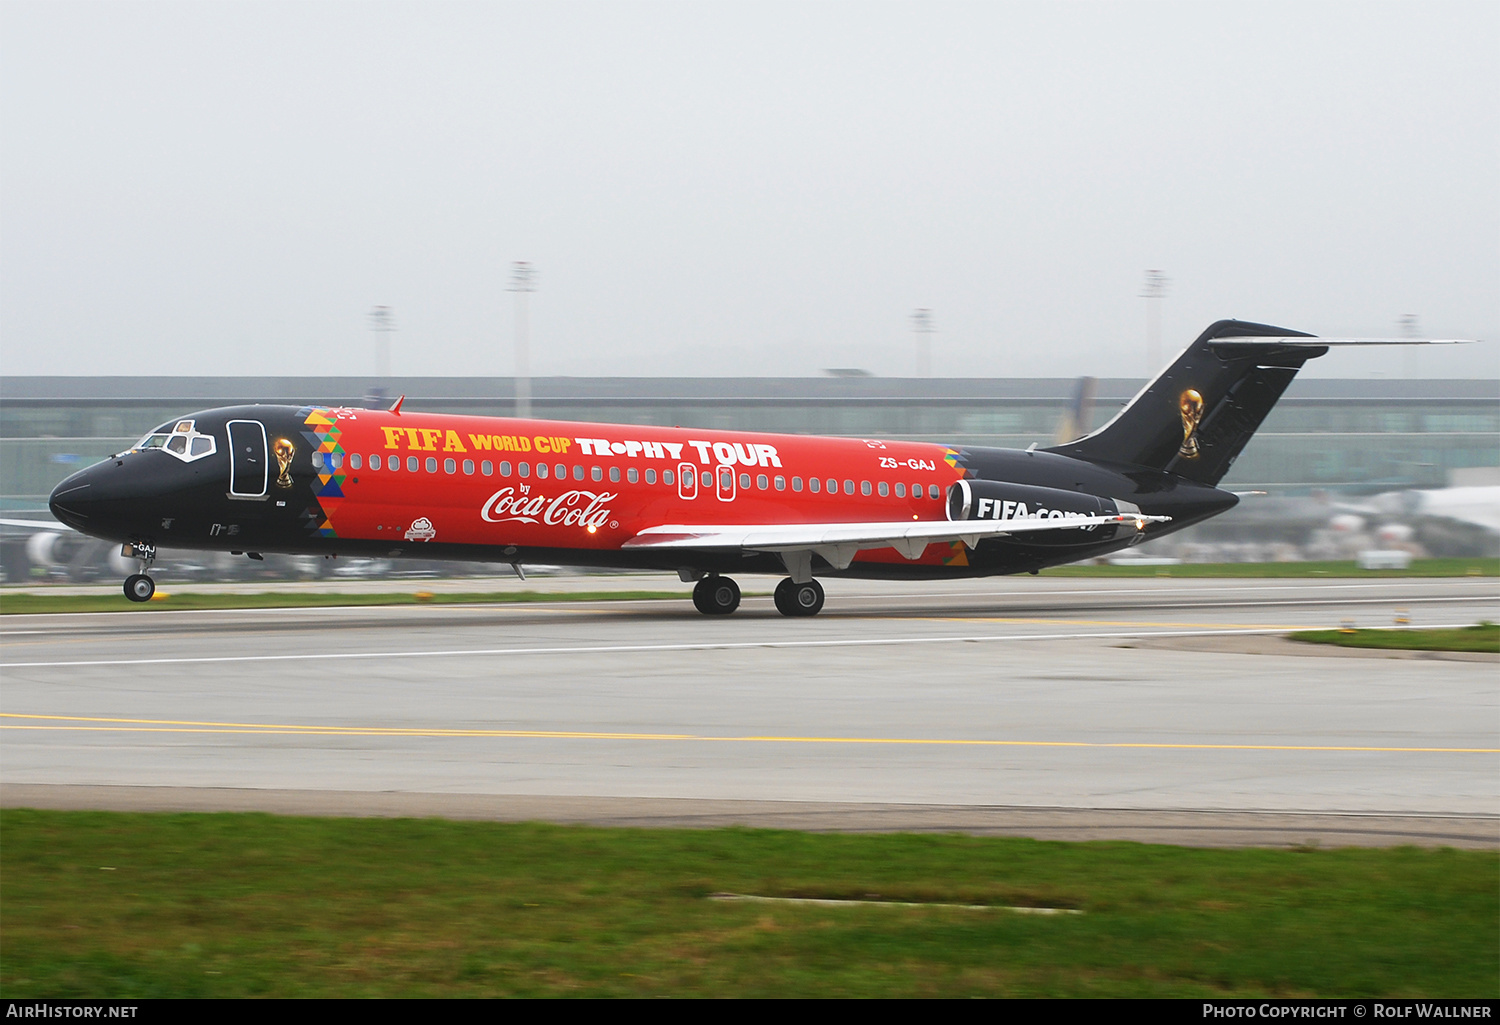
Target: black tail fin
[{"x": 1196, "y": 417}]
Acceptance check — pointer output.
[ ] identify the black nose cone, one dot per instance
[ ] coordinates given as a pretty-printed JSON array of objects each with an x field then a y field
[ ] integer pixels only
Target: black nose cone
[
  {"x": 74, "y": 501},
  {"x": 112, "y": 500}
]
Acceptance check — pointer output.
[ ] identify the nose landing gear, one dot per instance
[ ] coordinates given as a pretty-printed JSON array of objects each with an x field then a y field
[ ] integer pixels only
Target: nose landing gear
[
  {"x": 138, "y": 586},
  {"x": 794, "y": 599},
  {"x": 716, "y": 596}
]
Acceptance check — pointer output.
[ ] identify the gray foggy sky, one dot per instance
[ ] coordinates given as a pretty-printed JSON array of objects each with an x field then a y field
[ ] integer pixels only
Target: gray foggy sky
[{"x": 739, "y": 188}]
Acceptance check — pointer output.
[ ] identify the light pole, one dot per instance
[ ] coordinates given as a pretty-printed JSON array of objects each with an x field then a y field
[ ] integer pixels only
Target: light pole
[
  {"x": 921, "y": 326},
  {"x": 523, "y": 283},
  {"x": 1407, "y": 322},
  {"x": 1154, "y": 291},
  {"x": 382, "y": 322}
]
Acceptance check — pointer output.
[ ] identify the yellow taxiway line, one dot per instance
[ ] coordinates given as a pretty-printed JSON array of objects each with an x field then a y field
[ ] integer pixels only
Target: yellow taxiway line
[{"x": 115, "y": 725}]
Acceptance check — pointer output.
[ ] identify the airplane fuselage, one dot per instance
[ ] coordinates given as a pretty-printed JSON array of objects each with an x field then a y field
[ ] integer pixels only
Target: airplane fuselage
[
  {"x": 356, "y": 482},
  {"x": 702, "y": 502}
]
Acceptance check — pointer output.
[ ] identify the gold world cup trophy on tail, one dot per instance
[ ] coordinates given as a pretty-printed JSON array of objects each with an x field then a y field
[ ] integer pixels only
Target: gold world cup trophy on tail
[{"x": 1191, "y": 404}]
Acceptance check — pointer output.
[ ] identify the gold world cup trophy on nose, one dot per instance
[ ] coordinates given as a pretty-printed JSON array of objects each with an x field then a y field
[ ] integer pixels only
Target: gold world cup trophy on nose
[
  {"x": 284, "y": 450},
  {"x": 1191, "y": 404}
]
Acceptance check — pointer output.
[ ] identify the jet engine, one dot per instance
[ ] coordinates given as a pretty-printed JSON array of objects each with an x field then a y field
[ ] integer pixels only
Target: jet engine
[{"x": 1000, "y": 500}]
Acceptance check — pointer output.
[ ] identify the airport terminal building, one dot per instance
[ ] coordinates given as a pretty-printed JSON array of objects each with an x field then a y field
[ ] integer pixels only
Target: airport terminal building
[{"x": 1356, "y": 435}]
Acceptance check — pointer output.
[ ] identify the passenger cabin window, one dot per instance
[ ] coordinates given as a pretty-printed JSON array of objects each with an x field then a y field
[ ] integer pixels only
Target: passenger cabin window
[{"x": 354, "y": 461}]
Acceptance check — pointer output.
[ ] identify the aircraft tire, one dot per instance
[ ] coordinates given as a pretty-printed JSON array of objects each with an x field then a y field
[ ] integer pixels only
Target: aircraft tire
[
  {"x": 139, "y": 587},
  {"x": 783, "y": 597},
  {"x": 716, "y": 596},
  {"x": 806, "y": 599}
]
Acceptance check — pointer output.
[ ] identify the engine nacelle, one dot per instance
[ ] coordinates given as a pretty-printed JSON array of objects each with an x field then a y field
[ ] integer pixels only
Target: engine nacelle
[
  {"x": 998, "y": 500},
  {"x": 42, "y": 548}
]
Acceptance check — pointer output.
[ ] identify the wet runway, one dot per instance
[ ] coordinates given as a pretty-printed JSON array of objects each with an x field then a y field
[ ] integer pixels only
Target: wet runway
[{"x": 1083, "y": 706}]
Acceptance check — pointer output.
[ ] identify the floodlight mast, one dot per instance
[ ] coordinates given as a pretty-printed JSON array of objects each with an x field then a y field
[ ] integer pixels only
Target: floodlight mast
[
  {"x": 523, "y": 283},
  {"x": 382, "y": 323},
  {"x": 1153, "y": 292},
  {"x": 921, "y": 326},
  {"x": 1410, "y": 327}
]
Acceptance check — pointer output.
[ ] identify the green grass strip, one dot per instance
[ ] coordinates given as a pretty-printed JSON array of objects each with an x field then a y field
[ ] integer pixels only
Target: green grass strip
[
  {"x": 121, "y": 906},
  {"x": 1484, "y": 637},
  {"x": 17, "y": 604}
]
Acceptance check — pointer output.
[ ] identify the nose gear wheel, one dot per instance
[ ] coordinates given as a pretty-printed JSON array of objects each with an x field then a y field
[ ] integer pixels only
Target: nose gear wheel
[{"x": 139, "y": 587}]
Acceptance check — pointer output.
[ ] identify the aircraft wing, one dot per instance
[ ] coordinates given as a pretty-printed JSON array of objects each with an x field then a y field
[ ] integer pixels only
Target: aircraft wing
[
  {"x": 34, "y": 526},
  {"x": 838, "y": 542}
]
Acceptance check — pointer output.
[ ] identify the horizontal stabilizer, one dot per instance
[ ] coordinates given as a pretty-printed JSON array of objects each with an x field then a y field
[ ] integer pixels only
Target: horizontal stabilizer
[{"x": 1304, "y": 342}]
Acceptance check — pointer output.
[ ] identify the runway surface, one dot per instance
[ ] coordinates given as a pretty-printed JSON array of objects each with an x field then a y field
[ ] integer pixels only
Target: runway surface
[{"x": 1144, "y": 709}]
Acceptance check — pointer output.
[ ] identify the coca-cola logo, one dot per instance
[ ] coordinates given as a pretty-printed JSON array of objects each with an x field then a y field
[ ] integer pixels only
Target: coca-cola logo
[{"x": 569, "y": 509}]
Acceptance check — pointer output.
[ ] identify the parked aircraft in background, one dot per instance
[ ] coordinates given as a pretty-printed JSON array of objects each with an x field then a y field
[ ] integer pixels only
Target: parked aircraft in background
[{"x": 704, "y": 503}]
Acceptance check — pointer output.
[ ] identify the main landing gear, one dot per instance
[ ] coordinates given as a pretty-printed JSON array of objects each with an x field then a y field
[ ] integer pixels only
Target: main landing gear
[
  {"x": 716, "y": 596},
  {"x": 719, "y": 596},
  {"x": 138, "y": 586},
  {"x": 794, "y": 599}
]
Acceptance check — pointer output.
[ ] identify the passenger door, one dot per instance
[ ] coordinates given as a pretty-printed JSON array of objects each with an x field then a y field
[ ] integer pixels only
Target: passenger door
[{"x": 249, "y": 465}]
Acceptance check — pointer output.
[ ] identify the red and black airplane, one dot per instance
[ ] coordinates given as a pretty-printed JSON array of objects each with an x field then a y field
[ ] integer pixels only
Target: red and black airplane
[{"x": 705, "y": 503}]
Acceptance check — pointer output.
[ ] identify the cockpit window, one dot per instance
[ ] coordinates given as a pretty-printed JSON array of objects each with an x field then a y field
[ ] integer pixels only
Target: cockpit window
[{"x": 181, "y": 439}]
